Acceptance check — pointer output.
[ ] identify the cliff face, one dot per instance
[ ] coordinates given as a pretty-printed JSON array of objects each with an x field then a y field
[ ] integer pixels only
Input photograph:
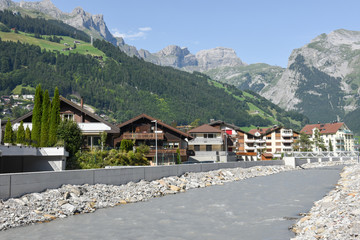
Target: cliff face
[{"x": 326, "y": 71}]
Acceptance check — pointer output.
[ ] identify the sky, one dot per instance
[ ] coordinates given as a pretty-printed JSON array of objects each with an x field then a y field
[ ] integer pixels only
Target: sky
[{"x": 258, "y": 30}]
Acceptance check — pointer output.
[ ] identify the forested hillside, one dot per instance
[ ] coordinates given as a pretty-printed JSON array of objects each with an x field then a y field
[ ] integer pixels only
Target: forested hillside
[{"x": 124, "y": 87}]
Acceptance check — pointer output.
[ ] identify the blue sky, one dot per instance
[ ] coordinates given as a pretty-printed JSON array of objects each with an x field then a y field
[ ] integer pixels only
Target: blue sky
[{"x": 258, "y": 30}]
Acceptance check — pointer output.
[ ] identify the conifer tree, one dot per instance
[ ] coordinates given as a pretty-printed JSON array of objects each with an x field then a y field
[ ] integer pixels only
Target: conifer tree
[
  {"x": 54, "y": 118},
  {"x": 36, "y": 117},
  {"x": 44, "y": 137},
  {"x": 27, "y": 136},
  {"x": 20, "y": 136},
  {"x": 8, "y": 132}
]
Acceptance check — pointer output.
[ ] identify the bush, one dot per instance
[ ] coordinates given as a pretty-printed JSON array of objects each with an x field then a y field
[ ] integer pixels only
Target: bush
[{"x": 70, "y": 133}]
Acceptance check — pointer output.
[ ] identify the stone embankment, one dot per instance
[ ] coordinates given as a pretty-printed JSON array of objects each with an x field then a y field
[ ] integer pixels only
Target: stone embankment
[
  {"x": 75, "y": 199},
  {"x": 337, "y": 215}
]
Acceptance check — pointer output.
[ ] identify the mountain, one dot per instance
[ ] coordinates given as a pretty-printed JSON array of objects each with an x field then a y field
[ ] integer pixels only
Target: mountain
[
  {"x": 92, "y": 24},
  {"x": 121, "y": 86},
  {"x": 322, "y": 78}
]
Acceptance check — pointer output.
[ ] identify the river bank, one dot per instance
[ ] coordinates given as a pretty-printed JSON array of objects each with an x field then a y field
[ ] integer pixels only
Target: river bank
[{"x": 337, "y": 215}]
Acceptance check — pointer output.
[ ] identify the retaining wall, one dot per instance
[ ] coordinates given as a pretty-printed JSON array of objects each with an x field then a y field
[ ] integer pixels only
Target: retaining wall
[{"x": 17, "y": 184}]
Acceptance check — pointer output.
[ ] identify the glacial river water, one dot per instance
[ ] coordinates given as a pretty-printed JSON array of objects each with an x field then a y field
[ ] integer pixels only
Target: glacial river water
[{"x": 256, "y": 208}]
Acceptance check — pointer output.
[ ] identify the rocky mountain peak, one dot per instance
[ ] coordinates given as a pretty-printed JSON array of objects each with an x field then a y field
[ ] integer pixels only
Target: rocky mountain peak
[
  {"x": 4, "y": 4},
  {"x": 173, "y": 50},
  {"x": 218, "y": 57}
]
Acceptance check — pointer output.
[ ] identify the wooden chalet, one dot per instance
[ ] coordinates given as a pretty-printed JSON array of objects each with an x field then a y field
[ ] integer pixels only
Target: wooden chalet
[
  {"x": 91, "y": 125},
  {"x": 144, "y": 129}
]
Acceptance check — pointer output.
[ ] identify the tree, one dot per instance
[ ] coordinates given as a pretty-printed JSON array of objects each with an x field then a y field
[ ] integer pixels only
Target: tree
[
  {"x": 304, "y": 144},
  {"x": 126, "y": 145},
  {"x": 70, "y": 133},
  {"x": 331, "y": 148},
  {"x": 27, "y": 136},
  {"x": 54, "y": 118},
  {"x": 20, "y": 136},
  {"x": 44, "y": 135},
  {"x": 36, "y": 117},
  {"x": 8, "y": 132},
  {"x": 319, "y": 141},
  {"x": 178, "y": 156},
  {"x": 103, "y": 138}
]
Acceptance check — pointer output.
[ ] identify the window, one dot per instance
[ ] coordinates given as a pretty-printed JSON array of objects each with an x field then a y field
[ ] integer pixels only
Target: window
[
  {"x": 68, "y": 116},
  {"x": 193, "y": 135},
  {"x": 196, "y": 147},
  {"x": 208, "y": 148},
  {"x": 209, "y": 135}
]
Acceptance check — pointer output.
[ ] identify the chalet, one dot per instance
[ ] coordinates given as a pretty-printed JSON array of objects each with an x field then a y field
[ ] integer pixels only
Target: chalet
[
  {"x": 77, "y": 42},
  {"x": 335, "y": 134},
  {"x": 91, "y": 125},
  {"x": 159, "y": 136}
]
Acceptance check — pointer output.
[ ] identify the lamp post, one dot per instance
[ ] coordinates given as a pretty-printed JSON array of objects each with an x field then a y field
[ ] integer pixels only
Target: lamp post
[{"x": 156, "y": 152}]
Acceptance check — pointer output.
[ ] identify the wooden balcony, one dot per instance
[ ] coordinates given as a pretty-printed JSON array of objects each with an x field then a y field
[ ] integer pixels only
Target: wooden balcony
[
  {"x": 165, "y": 151},
  {"x": 143, "y": 136}
]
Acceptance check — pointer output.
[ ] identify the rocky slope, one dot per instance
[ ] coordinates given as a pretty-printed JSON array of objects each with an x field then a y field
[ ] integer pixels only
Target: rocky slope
[
  {"x": 78, "y": 18},
  {"x": 321, "y": 79}
]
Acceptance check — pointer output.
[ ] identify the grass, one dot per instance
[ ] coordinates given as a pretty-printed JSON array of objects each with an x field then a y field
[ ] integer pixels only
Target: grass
[
  {"x": 82, "y": 48},
  {"x": 18, "y": 88}
]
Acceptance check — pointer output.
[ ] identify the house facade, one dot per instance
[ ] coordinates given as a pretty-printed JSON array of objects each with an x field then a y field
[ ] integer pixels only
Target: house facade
[
  {"x": 91, "y": 125},
  {"x": 274, "y": 141},
  {"x": 160, "y": 137},
  {"x": 335, "y": 134}
]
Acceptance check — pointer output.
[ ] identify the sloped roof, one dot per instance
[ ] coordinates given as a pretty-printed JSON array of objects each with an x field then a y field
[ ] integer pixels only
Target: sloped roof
[
  {"x": 206, "y": 128},
  {"x": 219, "y": 122},
  {"x": 324, "y": 128},
  {"x": 158, "y": 122},
  {"x": 114, "y": 129},
  {"x": 264, "y": 131}
]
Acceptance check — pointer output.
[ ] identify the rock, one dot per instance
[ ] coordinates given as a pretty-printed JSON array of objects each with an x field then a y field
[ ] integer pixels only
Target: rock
[
  {"x": 68, "y": 208},
  {"x": 174, "y": 188},
  {"x": 49, "y": 216}
]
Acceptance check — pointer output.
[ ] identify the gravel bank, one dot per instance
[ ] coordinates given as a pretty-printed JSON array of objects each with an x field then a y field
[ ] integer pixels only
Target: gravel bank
[
  {"x": 76, "y": 199},
  {"x": 337, "y": 215}
]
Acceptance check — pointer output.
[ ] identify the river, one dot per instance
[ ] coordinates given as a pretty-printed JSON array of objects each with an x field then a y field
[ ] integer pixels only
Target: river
[{"x": 255, "y": 208}]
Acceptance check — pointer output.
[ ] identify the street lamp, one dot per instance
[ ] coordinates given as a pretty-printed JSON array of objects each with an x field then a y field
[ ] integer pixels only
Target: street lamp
[{"x": 156, "y": 152}]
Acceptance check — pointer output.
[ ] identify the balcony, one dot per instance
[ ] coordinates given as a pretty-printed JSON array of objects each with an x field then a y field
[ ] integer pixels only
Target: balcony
[
  {"x": 339, "y": 139},
  {"x": 287, "y": 147},
  {"x": 287, "y": 141},
  {"x": 260, "y": 141},
  {"x": 251, "y": 140},
  {"x": 152, "y": 152},
  {"x": 287, "y": 134},
  {"x": 348, "y": 132},
  {"x": 201, "y": 140},
  {"x": 340, "y": 144},
  {"x": 250, "y": 148},
  {"x": 143, "y": 136},
  {"x": 260, "y": 147}
]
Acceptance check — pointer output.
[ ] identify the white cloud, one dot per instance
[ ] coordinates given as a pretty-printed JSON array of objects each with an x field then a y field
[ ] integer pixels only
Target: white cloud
[
  {"x": 140, "y": 34},
  {"x": 145, "y": 29}
]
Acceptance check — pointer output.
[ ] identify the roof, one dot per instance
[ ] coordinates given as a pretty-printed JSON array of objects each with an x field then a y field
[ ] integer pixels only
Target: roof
[
  {"x": 264, "y": 131},
  {"x": 267, "y": 155},
  {"x": 219, "y": 122},
  {"x": 153, "y": 119},
  {"x": 206, "y": 128},
  {"x": 324, "y": 128},
  {"x": 114, "y": 129}
]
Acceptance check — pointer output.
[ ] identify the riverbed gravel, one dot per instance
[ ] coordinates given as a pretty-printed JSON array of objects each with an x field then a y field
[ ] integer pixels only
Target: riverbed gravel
[{"x": 337, "y": 215}]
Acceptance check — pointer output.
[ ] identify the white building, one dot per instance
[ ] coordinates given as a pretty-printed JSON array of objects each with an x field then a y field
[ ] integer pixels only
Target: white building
[{"x": 336, "y": 134}]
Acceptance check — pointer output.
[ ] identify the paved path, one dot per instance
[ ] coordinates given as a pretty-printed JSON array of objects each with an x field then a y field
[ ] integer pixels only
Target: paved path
[{"x": 256, "y": 208}]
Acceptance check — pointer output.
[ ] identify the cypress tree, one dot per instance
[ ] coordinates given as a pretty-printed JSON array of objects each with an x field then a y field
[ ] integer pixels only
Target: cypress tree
[
  {"x": 36, "y": 117},
  {"x": 44, "y": 137},
  {"x": 54, "y": 118},
  {"x": 20, "y": 136},
  {"x": 8, "y": 132},
  {"x": 27, "y": 136}
]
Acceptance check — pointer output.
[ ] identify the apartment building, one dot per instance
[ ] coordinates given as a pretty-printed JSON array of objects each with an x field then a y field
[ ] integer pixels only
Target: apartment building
[{"x": 336, "y": 135}]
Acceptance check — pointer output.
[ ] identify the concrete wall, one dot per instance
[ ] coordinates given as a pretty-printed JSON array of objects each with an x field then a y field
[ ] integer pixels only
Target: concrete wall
[{"x": 17, "y": 184}]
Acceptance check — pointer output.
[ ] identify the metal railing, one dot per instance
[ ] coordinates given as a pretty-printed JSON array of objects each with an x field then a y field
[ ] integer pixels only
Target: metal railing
[{"x": 323, "y": 154}]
